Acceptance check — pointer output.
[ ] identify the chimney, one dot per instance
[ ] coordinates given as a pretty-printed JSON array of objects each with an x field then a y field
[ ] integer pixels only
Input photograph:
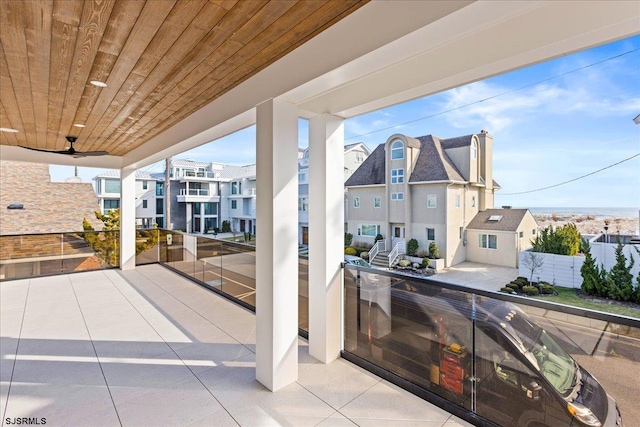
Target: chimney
[{"x": 486, "y": 169}]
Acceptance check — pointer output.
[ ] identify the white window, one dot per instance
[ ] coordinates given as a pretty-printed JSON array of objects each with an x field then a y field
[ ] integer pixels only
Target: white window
[
  {"x": 397, "y": 150},
  {"x": 489, "y": 241},
  {"x": 368, "y": 230},
  {"x": 397, "y": 176},
  {"x": 397, "y": 196},
  {"x": 234, "y": 204},
  {"x": 431, "y": 234},
  {"x": 533, "y": 232},
  {"x": 431, "y": 201},
  {"x": 521, "y": 234},
  {"x": 356, "y": 202},
  {"x": 457, "y": 200},
  {"x": 145, "y": 185},
  {"x": 359, "y": 156},
  {"x": 474, "y": 149},
  {"x": 473, "y": 201},
  {"x": 144, "y": 204},
  {"x": 302, "y": 177},
  {"x": 377, "y": 202},
  {"x": 303, "y": 204}
]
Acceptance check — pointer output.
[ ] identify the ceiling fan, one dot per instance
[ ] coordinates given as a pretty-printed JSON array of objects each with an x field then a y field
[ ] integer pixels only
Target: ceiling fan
[{"x": 70, "y": 151}]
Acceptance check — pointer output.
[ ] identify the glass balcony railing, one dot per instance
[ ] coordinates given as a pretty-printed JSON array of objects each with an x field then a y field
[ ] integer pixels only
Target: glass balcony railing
[
  {"x": 33, "y": 255},
  {"x": 511, "y": 360},
  {"x": 226, "y": 267},
  {"x": 194, "y": 192}
]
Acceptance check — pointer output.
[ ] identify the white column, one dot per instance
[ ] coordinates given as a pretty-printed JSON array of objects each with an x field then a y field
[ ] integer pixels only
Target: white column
[
  {"x": 127, "y": 219},
  {"x": 202, "y": 217},
  {"x": 326, "y": 236},
  {"x": 276, "y": 244},
  {"x": 188, "y": 217}
]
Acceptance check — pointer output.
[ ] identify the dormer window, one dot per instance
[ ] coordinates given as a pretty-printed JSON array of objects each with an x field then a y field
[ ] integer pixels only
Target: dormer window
[
  {"x": 474, "y": 149},
  {"x": 397, "y": 150}
]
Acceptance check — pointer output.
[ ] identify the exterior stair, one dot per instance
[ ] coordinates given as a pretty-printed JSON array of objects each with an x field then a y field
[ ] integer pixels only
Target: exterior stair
[{"x": 381, "y": 260}]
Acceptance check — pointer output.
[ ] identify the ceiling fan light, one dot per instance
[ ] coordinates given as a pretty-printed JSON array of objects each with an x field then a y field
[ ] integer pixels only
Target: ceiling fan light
[
  {"x": 98, "y": 83},
  {"x": 10, "y": 130},
  {"x": 78, "y": 125}
]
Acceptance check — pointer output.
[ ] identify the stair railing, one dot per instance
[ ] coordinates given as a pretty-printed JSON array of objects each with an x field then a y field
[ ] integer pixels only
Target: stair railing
[
  {"x": 399, "y": 249},
  {"x": 380, "y": 246}
]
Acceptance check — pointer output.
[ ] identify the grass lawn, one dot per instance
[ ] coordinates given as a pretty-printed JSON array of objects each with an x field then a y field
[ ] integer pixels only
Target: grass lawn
[{"x": 568, "y": 296}]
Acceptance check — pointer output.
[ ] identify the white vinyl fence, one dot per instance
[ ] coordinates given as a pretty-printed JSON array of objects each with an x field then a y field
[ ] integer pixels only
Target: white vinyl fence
[{"x": 564, "y": 270}]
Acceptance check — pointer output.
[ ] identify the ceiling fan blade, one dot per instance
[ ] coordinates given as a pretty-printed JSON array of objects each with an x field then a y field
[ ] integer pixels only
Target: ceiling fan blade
[
  {"x": 45, "y": 151},
  {"x": 91, "y": 153}
]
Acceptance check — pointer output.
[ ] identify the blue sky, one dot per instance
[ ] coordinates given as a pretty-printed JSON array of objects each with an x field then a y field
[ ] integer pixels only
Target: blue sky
[{"x": 551, "y": 122}]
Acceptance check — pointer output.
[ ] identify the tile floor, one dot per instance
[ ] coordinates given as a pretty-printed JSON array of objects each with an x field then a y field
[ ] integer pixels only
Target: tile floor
[{"x": 150, "y": 348}]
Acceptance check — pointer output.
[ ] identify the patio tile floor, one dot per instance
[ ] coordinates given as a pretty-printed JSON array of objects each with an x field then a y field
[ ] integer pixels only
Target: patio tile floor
[{"x": 149, "y": 347}]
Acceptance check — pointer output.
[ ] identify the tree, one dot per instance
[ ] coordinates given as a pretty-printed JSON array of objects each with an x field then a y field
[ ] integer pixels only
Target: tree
[
  {"x": 621, "y": 283},
  {"x": 533, "y": 261},
  {"x": 434, "y": 252},
  {"x": 589, "y": 271},
  {"x": 560, "y": 241},
  {"x": 348, "y": 238},
  {"x": 107, "y": 243}
]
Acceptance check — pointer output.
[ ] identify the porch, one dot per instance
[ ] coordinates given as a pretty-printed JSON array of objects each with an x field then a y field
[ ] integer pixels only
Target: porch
[{"x": 150, "y": 347}]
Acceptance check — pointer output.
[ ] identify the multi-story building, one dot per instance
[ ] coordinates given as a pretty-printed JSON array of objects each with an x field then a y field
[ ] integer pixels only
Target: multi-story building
[
  {"x": 354, "y": 156},
  {"x": 425, "y": 188}
]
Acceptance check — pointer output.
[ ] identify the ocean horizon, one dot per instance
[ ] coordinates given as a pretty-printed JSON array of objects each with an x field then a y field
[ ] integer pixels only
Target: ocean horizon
[{"x": 599, "y": 213}]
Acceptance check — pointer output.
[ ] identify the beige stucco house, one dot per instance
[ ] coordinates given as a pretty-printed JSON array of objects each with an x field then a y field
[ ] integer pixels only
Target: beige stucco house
[
  {"x": 429, "y": 189},
  {"x": 496, "y": 236}
]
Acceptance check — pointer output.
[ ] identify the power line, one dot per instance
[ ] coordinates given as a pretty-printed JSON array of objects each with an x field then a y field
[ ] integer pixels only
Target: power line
[
  {"x": 497, "y": 95},
  {"x": 571, "y": 180}
]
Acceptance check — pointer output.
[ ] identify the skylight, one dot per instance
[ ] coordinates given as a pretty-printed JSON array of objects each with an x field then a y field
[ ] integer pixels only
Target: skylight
[{"x": 495, "y": 217}]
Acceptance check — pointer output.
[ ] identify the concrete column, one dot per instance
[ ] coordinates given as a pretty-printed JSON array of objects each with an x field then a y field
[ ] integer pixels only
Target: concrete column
[
  {"x": 201, "y": 217},
  {"x": 188, "y": 218},
  {"x": 127, "y": 219},
  {"x": 277, "y": 248},
  {"x": 326, "y": 236}
]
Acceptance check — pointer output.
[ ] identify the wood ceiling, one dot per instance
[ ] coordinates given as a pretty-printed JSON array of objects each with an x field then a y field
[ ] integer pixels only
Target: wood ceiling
[{"x": 161, "y": 59}]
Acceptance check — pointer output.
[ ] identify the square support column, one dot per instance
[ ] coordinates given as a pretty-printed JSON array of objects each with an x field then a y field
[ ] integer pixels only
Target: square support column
[
  {"x": 127, "y": 219},
  {"x": 326, "y": 236},
  {"x": 277, "y": 244}
]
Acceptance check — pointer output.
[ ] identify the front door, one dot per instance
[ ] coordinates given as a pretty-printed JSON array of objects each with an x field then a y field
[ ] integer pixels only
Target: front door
[
  {"x": 242, "y": 225},
  {"x": 397, "y": 234}
]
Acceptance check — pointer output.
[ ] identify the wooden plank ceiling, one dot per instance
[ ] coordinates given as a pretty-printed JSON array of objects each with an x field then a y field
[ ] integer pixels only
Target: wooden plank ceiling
[{"x": 161, "y": 59}]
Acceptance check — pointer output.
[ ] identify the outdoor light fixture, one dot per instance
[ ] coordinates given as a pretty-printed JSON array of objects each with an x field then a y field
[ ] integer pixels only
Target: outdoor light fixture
[
  {"x": 78, "y": 125},
  {"x": 98, "y": 83},
  {"x": 8, "y": 130}
]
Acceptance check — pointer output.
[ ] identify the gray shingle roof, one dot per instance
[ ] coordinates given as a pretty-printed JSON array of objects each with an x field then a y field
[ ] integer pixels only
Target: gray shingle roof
[
  {"x": 371, "y": 171},
  {"x": 458, "y": 141},
  {"x": 115, "y": 173},
  {"x": 433, "y": 164},
  {"x": 511, "y": 219}
]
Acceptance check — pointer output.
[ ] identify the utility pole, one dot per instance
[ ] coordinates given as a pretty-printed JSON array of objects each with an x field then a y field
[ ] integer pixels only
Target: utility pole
[{"x": 167, "y": 194}]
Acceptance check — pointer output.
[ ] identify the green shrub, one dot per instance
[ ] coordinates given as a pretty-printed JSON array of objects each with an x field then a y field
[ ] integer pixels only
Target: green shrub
[
  {"x": 530, "y": 290},
  {"x": 226, "y": 226},
  {"x": 379, "y": 237},
  {"x": 565, "y": 240},
  {"x": 517, "y": 284},
  {"x": 522, "y": 278},
  {"x": 350, "y": 251},
  {"x": 506, "y": 290},
  {"x": 404, "y": 263},
  {"x": 434, "y": 252},
  {"x": 364, "y": 254},
  {"x": 513, "y": 286},
  {"x": 425, "y": 262},
  {"x": 547, "y": 289},
  {"x": 412, "y": 247},
  {"x": 348, "y": 238}
]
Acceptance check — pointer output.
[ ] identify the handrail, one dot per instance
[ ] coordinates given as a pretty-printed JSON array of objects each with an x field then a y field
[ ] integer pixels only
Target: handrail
[
  {"x": 399, "y": 249},
  {"x": 380, "y": 246}
]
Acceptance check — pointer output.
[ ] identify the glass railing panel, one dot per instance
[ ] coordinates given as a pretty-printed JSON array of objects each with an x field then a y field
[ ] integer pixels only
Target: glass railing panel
[
  {"x": 33, "y": 255},
  {"x": 512, "y": 360},
  {"x": 303, "y": 293},
  {"x": 210, "y": 258},
  {"x": 238, "y": 270},
  {"x": 147, "y": 246}
]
